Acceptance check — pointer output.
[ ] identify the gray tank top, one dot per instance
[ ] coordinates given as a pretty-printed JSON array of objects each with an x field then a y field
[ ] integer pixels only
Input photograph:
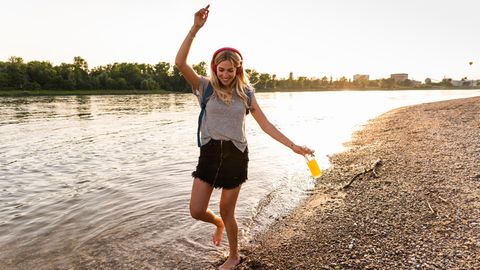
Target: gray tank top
[{"x": 222, "y": 121}]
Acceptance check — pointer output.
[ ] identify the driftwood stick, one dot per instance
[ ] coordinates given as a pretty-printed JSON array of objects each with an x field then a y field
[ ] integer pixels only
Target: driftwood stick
[
  {"x": 442, "y": 199},
  {"x": 372, "y": 171},
  {"x": 354, "y": 178},
  {"x": 433, "y": 212}
]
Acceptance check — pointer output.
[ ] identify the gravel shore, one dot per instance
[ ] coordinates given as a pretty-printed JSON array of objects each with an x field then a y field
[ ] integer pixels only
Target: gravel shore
[{"x": 421, "y": 210}]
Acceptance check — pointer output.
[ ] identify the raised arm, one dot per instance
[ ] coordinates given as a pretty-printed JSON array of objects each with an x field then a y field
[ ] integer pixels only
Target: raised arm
[
  {"x": 271, "y": 130},
  {"x": 181, "y": 59}
]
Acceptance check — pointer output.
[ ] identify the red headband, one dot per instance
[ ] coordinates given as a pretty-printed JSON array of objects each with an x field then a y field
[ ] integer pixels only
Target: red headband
[{"x": 212, "y": 64}]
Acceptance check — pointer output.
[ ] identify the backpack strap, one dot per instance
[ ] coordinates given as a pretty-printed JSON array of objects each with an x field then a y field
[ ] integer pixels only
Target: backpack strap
[
  {"x": 249, "y": 93},
  {"x": 203, "y": 104}
]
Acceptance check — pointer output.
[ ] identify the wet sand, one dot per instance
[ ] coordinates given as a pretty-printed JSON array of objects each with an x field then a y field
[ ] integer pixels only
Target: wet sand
[{"x": 421, "y": 212}]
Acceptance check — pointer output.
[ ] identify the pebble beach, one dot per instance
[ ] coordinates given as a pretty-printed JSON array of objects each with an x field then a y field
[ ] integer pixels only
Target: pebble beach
[{"x": 414, "y": 202}]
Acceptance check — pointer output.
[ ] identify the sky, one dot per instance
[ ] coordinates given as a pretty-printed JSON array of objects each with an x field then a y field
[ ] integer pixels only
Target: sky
[{"x": 314, "y": 38}]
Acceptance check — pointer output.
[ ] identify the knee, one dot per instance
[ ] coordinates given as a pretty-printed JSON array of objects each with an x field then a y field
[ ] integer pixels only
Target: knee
[
  {"x": 226, "y": 212},
  {"x": 196, "y": 212}
]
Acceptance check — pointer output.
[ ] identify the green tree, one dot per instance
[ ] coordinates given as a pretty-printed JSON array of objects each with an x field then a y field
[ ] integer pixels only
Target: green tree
[
  {"x": 66, "y": 77},
  {"x": 149, "y": 84},
  {"x": 101, "y": 79},
  {"x": 146, "y": 70},
  {"x": 274, "y": 81},
  {"x": 122, "y": 83},
  {"x": 178, "y": 82},
  {"x": 130, "y": 73},
  {"x": 387, "y": 83},
  {"x": 201, "y": 68},
  {"x": 406, "y": 83},
  {"x": 162, "y": 75},
  {"x": 361, "y": 82},
  {"x": 264, "y": 80},
  {"x": 3, "y": 75},
  {"x": 253, "y": 75},
  {"x": 80, "y": 71},
  {"x": 301, "y": 81},
  {"x": 41, "y": 75},
  {"x": 373, "y": 83},
  {"x": 16, "y": 70},
  {"x": 341, "y": 83},
  {"x": 324, "y": 81},
  {"x": 80, "y": 63},
  {"x": 112, "y": 84}
]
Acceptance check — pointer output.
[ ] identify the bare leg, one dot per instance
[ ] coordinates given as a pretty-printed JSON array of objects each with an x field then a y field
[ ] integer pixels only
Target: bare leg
[
  {"x": 228, "y": 202},
  {"x": 199, "y": 200}
]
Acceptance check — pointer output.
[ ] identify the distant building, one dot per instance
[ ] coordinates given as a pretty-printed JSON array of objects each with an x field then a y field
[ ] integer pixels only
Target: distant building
[
  {"x": 361, "y": 77},
  {"x": 465, "y": 83},
  {"x": 399, "y": 77}
]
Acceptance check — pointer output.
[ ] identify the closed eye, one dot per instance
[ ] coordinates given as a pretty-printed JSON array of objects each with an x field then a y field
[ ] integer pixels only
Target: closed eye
[{"x": 228, "y": 70}]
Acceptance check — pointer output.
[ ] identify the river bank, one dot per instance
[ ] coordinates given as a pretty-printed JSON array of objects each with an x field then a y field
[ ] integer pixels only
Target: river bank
[
  {"x": 27, "y": 93},
  {"x": 422, "y": 211}
]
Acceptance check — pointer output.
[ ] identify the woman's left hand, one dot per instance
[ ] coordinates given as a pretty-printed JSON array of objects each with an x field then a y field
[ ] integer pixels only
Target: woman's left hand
[
  {"x": 302, "y": 150},
  {"x": 201, "y": 17}
]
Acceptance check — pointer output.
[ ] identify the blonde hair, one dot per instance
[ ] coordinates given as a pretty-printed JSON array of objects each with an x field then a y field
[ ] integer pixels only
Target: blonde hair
[{"x": 239, "y": 84}]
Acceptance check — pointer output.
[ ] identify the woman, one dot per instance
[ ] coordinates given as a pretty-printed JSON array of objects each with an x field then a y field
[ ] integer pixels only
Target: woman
[{"x": 224, "y": 153}]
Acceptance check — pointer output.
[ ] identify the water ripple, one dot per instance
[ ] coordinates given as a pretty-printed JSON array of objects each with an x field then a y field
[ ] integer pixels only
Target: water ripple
[{"x": 87, "y": 180}]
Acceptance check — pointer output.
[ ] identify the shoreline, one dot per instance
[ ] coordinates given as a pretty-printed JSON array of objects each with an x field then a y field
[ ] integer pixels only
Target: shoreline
[
  {"x": 39, "y": 93},
  {"x": 266, "y": 90},
  {"x": 423, "y": 211}
]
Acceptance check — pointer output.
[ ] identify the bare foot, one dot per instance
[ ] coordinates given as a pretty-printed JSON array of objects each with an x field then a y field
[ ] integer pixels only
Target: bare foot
[
  {"x": 217, "y": 235},
  {"x": 230, "y": 263}
]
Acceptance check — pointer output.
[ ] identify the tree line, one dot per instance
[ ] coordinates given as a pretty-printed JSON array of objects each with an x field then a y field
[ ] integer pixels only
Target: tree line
[{"x": 15, "y": 74}]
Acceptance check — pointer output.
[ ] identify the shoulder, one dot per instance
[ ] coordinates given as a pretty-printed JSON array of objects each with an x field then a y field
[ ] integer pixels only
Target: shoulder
[
  {"x": 204, "y": 79},
  {"x": 249, "y": 90},
  {"x": 203, "y": 85}
]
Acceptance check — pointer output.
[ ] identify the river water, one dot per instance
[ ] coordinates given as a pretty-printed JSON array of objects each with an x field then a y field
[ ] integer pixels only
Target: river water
[{"x": 105, "y": 180}]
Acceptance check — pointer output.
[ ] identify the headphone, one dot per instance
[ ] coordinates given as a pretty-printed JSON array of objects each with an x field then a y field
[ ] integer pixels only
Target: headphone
[{"x": 214, "y": 67}]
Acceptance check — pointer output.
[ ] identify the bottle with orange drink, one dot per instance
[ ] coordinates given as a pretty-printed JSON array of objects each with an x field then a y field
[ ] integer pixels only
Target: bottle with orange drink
[{"x": 313, "y": 166}]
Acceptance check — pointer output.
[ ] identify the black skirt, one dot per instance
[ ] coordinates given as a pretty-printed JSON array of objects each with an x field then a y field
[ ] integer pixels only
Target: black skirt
[{"x": 222, "y": 165}]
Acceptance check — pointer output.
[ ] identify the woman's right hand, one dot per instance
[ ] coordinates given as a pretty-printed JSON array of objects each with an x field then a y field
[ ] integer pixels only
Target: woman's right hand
[
  {"x": 303, "y": 150},
  {"x": 201, "y": 17}
]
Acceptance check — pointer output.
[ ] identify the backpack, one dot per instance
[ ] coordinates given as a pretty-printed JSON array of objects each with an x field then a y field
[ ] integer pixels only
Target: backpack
[{"x": 206, "y": 95}]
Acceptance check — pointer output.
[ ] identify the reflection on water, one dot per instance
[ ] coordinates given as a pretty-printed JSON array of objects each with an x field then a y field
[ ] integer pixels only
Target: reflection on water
[
  {"x": 31, "y": 108},
  {"x": 105, "y": 180}
]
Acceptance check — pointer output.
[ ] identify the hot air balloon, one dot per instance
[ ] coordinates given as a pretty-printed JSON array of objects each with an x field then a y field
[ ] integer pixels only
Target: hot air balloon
[{"x": 470, "y": 63}]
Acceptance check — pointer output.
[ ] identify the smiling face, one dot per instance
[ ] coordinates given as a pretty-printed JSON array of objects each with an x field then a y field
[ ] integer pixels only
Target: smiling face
[{"x": 226, "y": 72}]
